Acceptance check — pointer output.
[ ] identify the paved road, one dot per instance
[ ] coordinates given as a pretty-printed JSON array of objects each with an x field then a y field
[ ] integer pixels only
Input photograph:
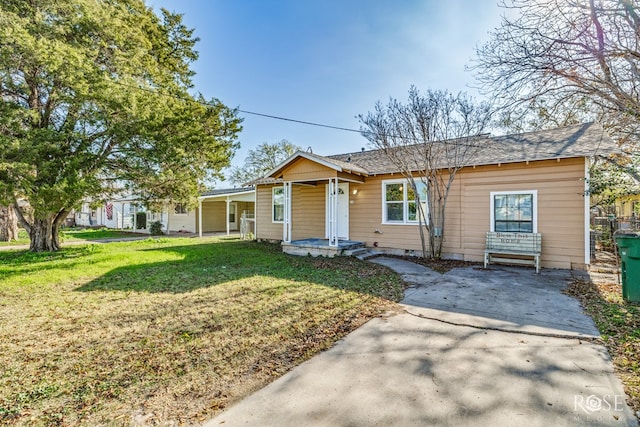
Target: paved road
[{"x": 473, "y": 347}]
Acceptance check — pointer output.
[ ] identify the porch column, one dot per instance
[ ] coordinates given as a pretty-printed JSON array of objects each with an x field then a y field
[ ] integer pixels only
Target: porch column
[
  {"x": 168, "y": 217},
  {"x": 333, "y": 212},
  {"x": 135, "y": 218},
  {"x": 228, "y": 202},
  {"x": 199, "y": 217},
  {"x": 286, "y": 223},
  {"x": 121, "y": 217}
]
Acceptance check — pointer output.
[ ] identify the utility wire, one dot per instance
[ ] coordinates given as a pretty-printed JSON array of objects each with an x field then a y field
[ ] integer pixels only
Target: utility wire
[
  {"x": 286, "y": 119},
  {"x": 363, "y": 132},
  {"x": 253, "y": 113}
]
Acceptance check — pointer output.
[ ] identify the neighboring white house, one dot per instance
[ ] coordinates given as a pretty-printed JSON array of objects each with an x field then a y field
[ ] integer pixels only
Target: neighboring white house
[
  {"x": 117, "y": 214},
  {"x": 223, "y": 210}
]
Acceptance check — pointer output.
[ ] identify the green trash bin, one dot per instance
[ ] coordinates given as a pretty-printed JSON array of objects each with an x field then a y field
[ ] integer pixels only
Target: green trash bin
[{"x": 629, "y": 248}]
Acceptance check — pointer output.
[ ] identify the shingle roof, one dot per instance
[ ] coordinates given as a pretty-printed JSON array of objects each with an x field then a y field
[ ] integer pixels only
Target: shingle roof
[
  {"x": 222, "y": 191},
  {"x": 344, "y": 164},
  {"x": 584, "y": 140}
]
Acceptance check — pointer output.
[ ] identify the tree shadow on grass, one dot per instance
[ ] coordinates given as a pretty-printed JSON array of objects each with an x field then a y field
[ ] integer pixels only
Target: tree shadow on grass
[
  {"x": 25, "y": 257},
  {"x": 210, "y": 264},
  {"x": 20, "y": 262}
]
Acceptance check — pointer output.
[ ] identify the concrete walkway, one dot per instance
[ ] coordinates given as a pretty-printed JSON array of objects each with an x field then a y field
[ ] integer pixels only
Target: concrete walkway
[{"x": 473, "y": 347}]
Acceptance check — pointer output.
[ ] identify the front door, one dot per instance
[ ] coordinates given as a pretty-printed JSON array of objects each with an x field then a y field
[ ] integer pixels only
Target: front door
[
  {"x": 343, "y": 211},
  {"x": 233, "y": 216}
]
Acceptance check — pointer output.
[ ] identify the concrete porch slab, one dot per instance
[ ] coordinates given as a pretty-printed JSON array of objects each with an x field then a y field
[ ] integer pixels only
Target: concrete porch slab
[{"x": 319, "y": 247}]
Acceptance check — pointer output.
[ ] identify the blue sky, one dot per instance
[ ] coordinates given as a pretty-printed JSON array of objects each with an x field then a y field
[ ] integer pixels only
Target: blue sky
[{"x": 326, "y": 61}]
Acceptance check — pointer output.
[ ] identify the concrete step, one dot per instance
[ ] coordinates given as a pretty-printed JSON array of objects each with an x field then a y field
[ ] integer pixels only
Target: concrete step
[
  {"x": 355, "y": 252},
  {"x": 366, "y": 255},
  {"x": 361, "y": 253}
]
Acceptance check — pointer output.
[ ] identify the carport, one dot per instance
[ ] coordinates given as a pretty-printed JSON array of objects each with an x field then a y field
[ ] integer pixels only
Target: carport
[{"x": 226, "y": 210}]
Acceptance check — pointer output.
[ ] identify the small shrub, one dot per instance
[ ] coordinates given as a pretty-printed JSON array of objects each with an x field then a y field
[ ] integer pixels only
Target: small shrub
[{"x": 155, "y": 228}]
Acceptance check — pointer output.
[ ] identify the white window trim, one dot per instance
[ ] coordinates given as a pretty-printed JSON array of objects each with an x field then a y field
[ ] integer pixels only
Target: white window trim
[
  {"x": 534, "y": 193},
  {"x": 405, "y": 208},
  {"x": 185, "y": 213},
  {"x": 273, "y": 191}
]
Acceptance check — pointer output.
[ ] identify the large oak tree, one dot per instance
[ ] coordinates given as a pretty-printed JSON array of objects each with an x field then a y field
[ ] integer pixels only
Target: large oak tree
[{"x": 93, "y": 97}]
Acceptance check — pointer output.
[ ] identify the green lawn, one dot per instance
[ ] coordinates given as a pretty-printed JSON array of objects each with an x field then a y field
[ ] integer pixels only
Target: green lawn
[
  {"x": 80, "y": 234},
  {"x": 168, "y": 330},
  {"x": 23, "y": 239},
  {"x": 619, "y": 325},
  {"x": 70, "y": 234}
]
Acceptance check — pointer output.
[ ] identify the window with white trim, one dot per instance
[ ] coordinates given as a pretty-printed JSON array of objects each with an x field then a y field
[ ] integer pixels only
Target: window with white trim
[
  {"x": 181, "y": 209},
  {"x": 399, "y": 203},
  {"x": 277, "y": 203},
  {"x": 514, "y": 211}
]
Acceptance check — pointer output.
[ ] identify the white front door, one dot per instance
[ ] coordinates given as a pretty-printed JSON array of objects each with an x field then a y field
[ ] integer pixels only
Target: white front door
[
  {"x": 343, "y": 211},
  {"x": 233, "y": 216}
]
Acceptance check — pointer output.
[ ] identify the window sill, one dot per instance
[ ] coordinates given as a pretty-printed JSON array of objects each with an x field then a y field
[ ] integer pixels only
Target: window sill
[{"x": 400, "y": 223}]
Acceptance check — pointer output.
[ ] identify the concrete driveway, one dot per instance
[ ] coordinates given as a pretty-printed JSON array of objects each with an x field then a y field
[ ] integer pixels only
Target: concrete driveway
[{"x": 473, "y": 347}]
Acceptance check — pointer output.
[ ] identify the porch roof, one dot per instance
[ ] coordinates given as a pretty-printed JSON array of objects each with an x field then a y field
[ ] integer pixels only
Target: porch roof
[
  {"x": 335, "y": 164},
  {"x": 236, "y": 194}
]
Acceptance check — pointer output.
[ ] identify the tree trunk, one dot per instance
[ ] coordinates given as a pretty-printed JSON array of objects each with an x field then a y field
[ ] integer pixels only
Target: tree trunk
[
  {"x": 8, "y": 224},
  {"x": 45, "y": 232}
]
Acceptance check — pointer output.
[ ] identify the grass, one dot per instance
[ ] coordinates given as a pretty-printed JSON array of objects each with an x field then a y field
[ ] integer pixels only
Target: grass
[
  {"x": 167, "y": 331},
  {"x": 75, "y": 235},
  {"x": 70, "y": 234},
  {"x": 619, "y": 325},
  {"x": 23, "y": 239}
]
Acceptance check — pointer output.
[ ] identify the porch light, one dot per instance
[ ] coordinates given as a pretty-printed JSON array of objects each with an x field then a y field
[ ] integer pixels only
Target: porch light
[{"x": 355, "y": 191}]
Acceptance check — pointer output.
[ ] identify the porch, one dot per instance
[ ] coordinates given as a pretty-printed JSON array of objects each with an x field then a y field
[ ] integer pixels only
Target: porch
[{"x": 320, "y": 247}]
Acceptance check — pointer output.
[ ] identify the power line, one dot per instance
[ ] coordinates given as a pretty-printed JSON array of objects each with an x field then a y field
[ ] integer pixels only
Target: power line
[
  {"x": 301, "y": 121},
  {"x": 269, "y": 116}
]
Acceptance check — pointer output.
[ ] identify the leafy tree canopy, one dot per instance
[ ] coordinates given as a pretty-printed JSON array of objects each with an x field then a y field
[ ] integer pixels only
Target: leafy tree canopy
[
  {"x": 262, "y": 159},
  {"x": 94, "y": 94}
]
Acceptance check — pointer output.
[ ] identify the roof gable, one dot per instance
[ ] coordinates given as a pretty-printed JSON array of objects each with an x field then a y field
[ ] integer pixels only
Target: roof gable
[{"x": 336, "y": 165}]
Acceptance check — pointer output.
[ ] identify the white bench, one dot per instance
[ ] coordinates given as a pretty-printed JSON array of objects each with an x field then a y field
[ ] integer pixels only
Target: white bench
[{"x": 521, "y": 245}]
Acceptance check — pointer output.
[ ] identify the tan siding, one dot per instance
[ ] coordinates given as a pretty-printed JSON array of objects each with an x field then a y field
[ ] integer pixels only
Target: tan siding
[
  {"x": 306, "y": 170},
  {"x": 308, "y": 211},
  {"x": 245, "y": 206},
  {"x": 559, "y": 185},
  {"x": 266, "y": 229},
  {"x": 365, "y": 217},
  {"x": 213, "y": 216}
]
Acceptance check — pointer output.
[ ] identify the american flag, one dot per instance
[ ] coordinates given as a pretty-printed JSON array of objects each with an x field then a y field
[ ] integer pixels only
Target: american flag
[{"x": 109, "y": 209}]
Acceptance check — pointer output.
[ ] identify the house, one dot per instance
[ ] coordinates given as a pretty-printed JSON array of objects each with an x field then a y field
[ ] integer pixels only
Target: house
[
  {"x": 628, "y": 207},
  {"x": 226, "y": 210},
  {"x": 116, "y": 213},
  {"x": 346, "y": 199},
  {"x": 222, "y": 210}
]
